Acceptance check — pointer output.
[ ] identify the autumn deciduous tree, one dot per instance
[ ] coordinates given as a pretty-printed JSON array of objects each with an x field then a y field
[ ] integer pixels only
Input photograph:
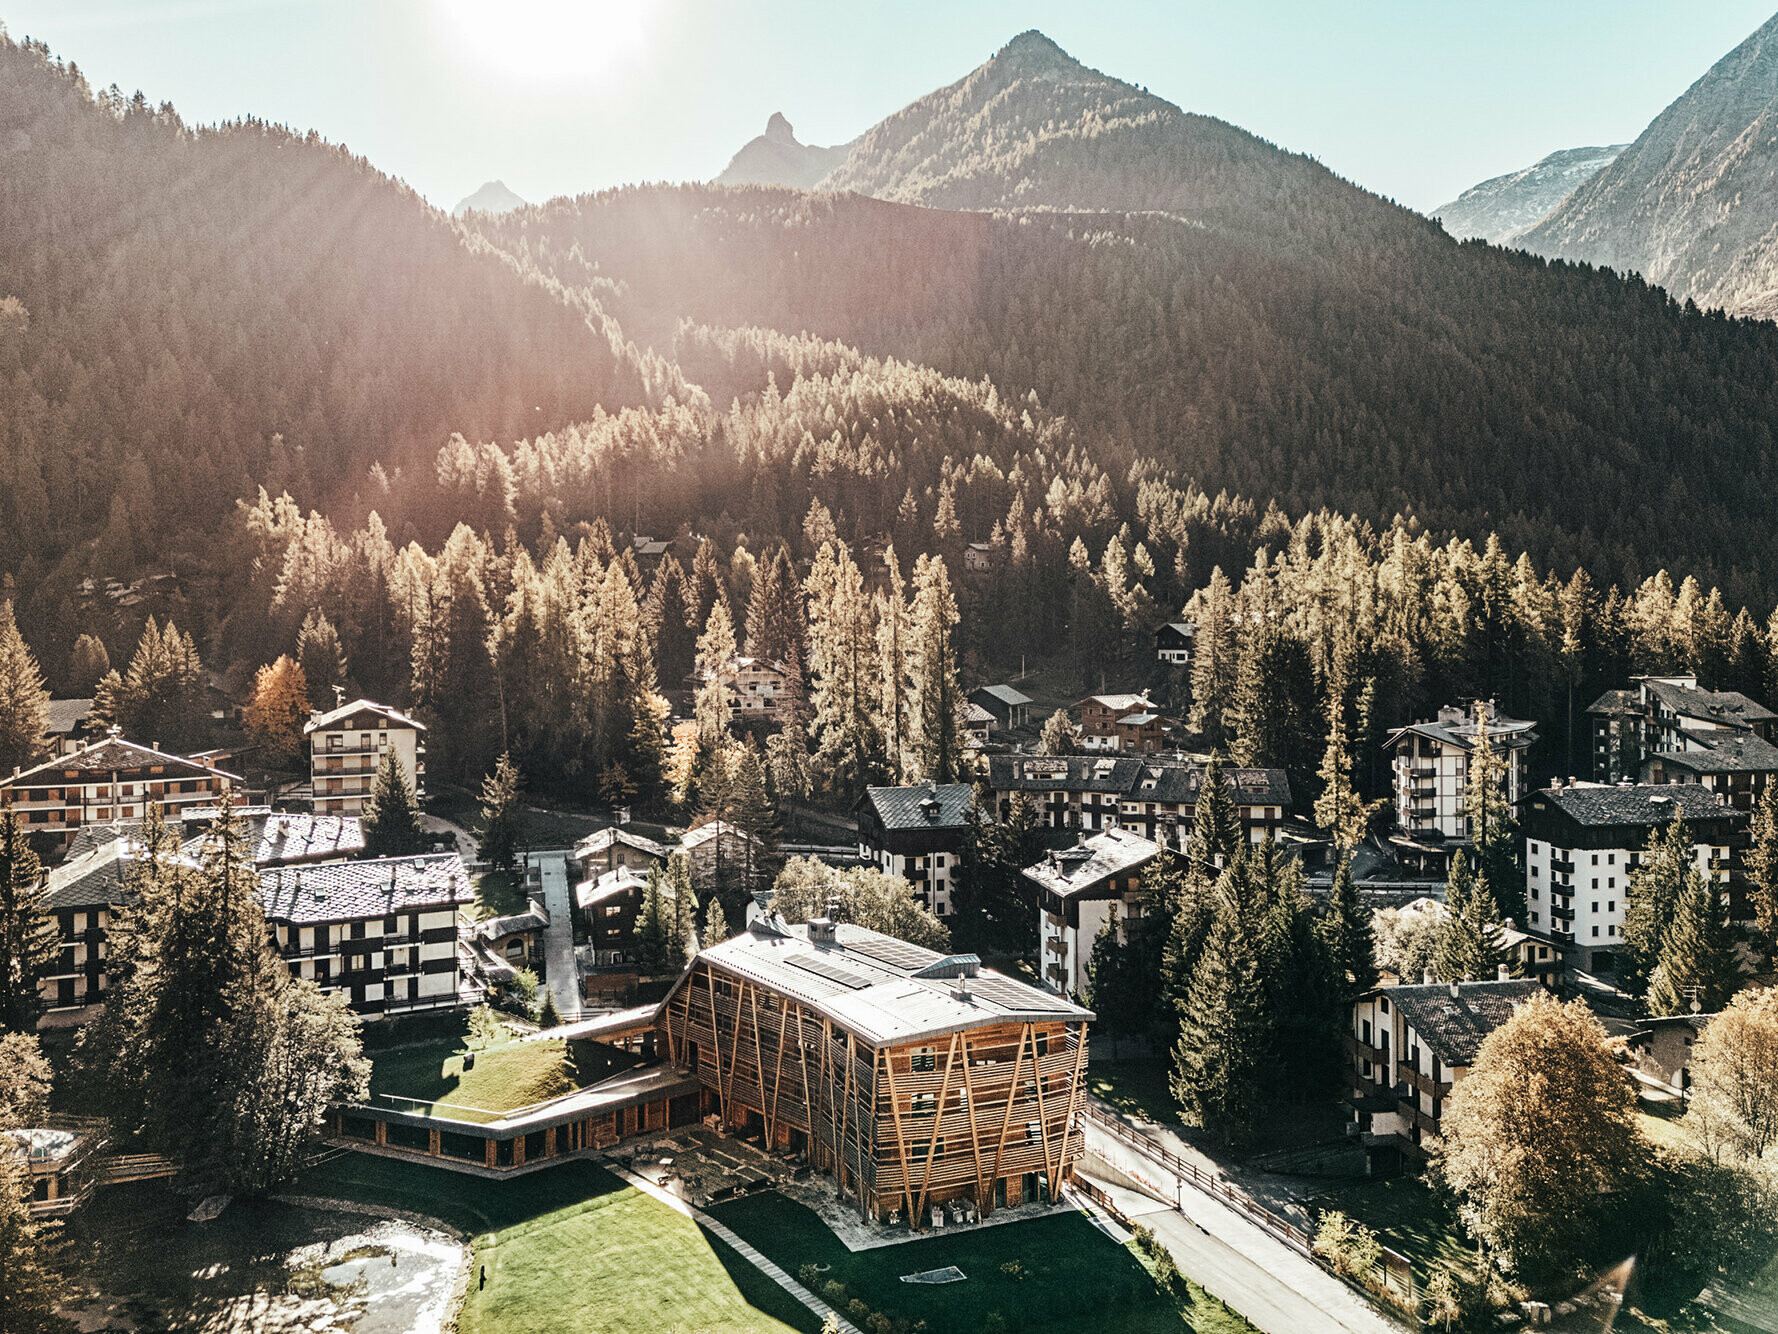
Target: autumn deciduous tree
[
  {"x": 1534, "y": 1188},
  {"x": 24, "y": 703},
  {"x": 1059, "y": 736},
  {"x": 1734, "y": 1106},
  {"x": 275, "y": 715},
  {"x": 867, "y": 897}
]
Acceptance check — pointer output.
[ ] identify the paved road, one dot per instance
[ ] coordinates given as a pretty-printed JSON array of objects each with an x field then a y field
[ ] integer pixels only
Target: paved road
[
  {"x": 558, "y": 936},
  {"x": 1234, "y": 1260}
]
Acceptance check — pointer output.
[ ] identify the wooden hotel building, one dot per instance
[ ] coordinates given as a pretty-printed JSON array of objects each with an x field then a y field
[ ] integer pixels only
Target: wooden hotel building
[{"x": 913, "y": 1078}]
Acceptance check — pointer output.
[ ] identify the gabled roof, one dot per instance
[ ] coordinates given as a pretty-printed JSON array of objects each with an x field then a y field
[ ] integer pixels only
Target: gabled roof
[
  {"x": 1613, "y": 703},
  {"x": 513, "y": 924},
  {"x": 1725, "y": 708},
  {"x": 975, "y": 713},
  {"x": 65, "y": 715},
  {"x": 866, "y": 983},
  {"x": 348, "y": 891},
  {"x": 1115, "y": 702},
  {"x": 1179, "y": 784},
  {"x": 1078, "y": 869},
  {"x": 106, "y": 754},
  {"x": 1635, "y": 805},
  {"x": 1453, "y": 1026},
  {"x": 1188, "y": 629},
  {"x": 334, "y": 717},
  {"x": 600, "y": 840},
  {"x": 279, "y": 837},
  {"x": 1004, "y": 694},
  {"x": 1722, "y": 753},
  {"x": 704, "y": 833},
  {"x": 1139, "y": 720},
  {"x": 613, "y": 884},
  {"x": 1503, "y": 733},
  {"x": 908, "y": 807},
  {"x": 95, "y": 879}
]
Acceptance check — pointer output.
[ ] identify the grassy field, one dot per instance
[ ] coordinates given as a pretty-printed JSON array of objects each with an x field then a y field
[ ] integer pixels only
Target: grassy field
[
  {"x": 572, "y": 1250},
  {"x": 1066, "y": 1275},
  {"x": 512, "y": 1074},
  {"x": 1135, "y": 1088},
  {"x": 1408, "y": 1217}
]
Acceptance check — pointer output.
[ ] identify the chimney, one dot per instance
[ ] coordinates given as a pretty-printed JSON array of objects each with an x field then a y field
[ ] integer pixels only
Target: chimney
[
  {"x": 1426, "y": 977},
  {"x": 1456, "y": 990},
  {"x": 833, "y": 908},
  {"x": 1502, "y": 973},
  {"x": 821, "y": 931}
]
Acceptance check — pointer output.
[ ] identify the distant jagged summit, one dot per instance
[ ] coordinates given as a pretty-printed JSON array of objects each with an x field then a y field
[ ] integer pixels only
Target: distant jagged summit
[
  {"x": 493, "y": 197},
  {"x": 1693, "y": 204},
  {"x": 1033, "y": 52},
  {"x": 776, "y": 158},
  {"x": 1498, "y": 210}
]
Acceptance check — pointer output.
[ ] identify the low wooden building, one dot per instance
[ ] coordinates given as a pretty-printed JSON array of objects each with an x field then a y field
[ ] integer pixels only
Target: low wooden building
[{"x": 912, "y": 1078}]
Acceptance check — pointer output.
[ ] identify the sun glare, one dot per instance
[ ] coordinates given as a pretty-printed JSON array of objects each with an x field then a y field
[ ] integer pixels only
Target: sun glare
[{"x": 554, "y": 40}]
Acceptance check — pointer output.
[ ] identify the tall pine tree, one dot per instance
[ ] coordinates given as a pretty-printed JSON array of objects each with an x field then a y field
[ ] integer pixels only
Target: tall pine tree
[
  {"x": 391, "y": 819},
  {"x": 24, "y": 703},
  {"x": 29, "y": 940},
  {"x": 1697, "y": 967}
]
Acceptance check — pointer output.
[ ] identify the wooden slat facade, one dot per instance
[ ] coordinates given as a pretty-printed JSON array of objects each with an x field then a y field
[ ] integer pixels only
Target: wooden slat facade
[{"x": 990, "y": 1114}]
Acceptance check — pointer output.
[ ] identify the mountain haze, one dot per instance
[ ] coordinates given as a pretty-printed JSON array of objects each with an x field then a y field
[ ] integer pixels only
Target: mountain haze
[
  {"x": 777, "y": 158},
  {"x": 1499, "y": 209},
  {"x": 1693, "y": 203},
  {"x": 492, "y": 197}
]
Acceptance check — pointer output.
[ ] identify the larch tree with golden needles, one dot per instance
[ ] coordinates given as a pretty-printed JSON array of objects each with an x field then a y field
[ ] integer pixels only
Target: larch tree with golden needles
[
  {"x": 275, "y": 715},
  {"x": 1734, "y": 1106}
]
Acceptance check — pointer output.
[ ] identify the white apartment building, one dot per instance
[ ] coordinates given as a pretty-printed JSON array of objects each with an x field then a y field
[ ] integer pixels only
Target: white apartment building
[
  {"x": 347, "y": 746},
  {"x": 109, "y": 780},
  {"x": 1077, "y": 889},
  {"x": 1431, "y": 768},
  {"x": 1583, "y": 841}
]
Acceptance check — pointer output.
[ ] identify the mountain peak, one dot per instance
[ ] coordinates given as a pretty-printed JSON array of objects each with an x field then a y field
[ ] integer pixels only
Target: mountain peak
[
  {"x": 778, "y": 129},
  {"x": 1031, "y": 49},
  {"x": 492, "y": 197}
]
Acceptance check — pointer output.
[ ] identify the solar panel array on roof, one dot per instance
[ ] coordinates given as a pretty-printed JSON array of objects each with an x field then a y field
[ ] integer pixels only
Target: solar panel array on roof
[
  {"x": 1003, "y": 991},
  {"x": 833, "y": 971},
  {"x": 888, "y": 950}
]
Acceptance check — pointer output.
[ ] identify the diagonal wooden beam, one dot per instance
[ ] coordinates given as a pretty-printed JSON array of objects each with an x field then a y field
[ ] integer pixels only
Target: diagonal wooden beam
[
  {"x": 975, "y": 1139},
  {"x": 901, "y": 1146},
  {"x": 1043, "y": 1125},
  {"x": 777, "y": 1073},
  {"x": 1080, "y": 1061},
  {"x": 716, "y": 1038},
  {"x": 734, "y": 1054},
  {"x": 938, "y": 1121},
  {"x": 802, "y": 1058},
  {"x": 1012, "y": 1094}
]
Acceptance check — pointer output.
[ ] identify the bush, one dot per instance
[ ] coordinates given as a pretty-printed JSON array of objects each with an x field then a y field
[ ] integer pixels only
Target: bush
[
  {"x": 995, "y": 1324},
  {"x": 809, "y": 1277},
  {"x": 858, "y": 1311},
  {"x": 879, "y": 1324},
  {"x": 524, "y": 990},
  {"x": 1166, "y": 1272},
  {"x": 835, "y": 1293},
  {"x": 1349, "y": 1248},
  {"x": 1144, "y": 1238},
  {"x": 1013, "y": 1269},
  {"x": 548, "y": 1016}
]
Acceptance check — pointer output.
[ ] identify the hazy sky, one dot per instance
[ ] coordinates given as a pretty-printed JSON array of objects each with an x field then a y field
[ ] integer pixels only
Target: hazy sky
[{"x": 1414, "y": 100}]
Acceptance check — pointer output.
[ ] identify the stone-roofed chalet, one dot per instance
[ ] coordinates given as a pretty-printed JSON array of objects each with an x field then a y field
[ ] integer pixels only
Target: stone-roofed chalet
[
  {"x": 916, "y": 833},
  {"x": 607, "y": 849},
  {"x": 1156, "y": 796},
  {"x": 384, "y": 932},
  {"x": 1100, "y": 715},
  {"x": 1010, "y": 707},
  {"x": 1736, "y": 766},
  {"x": 1668, "y": 714},
  {"x": 70, "y": 725},
  {"x": 1431, "y": 769},
  {"x": 1078, "y": 888},
  {"x": 1410, "y": 1045},
  {"x": 111, "y": 779},
  {"x": 914, "y": 1079}
]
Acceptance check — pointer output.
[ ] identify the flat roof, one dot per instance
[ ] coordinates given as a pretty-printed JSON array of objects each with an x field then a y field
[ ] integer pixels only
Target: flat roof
[{"x": 867, "y": 983}]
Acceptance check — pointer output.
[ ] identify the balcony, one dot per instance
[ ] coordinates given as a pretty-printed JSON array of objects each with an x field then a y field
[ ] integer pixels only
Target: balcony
[
  {"x": 1562, "y": 915},
  {"x": 1561, "y": 866}
]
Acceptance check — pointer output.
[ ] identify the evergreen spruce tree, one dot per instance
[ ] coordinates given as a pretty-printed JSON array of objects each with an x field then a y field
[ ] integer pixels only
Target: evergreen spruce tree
[
  {"x": 716, "y": 928},
  {"x": 684, "y": 933},
  {"x": 1762, "y": 874},
  {"x": 1190, "y": 928},
  {"x": 33, "y": 1288},
  {"x": 498, "y": 833},
  {"x": 667, "y": 615},
  {"x": 1347, "y": 930},
  {"x": 750, "y": 811},
  {"x": 87, "y": 665},
  {"x": 1226, "y": 1034},
  {"x": 24, "y": 703},
  {"x": 1492, "y": 831},
  {"x": 939, "y": 711},
  {"x": 715, "y": 665},
  {"x": 1109, "y": 982},
  {"x": 654, "y": 925},
  {"x": 1697, "y": 960},
  {"x": 1270, "y": 712},
  {"x": 1652, "y": 899},
  {"x": 843, "y": 665},
  {"x": 1215, "y": 654},
  {"x": 895, "y": 655},
  {"x": 1307, "y": 996},
  {"x": 1339, "y": 810},
  {"x": 391, "y": 820},
  {"x": 1216, "y": 823},
  {"x": 322, "y": 658},
  {"x": 29, "y": 940},
  {"x": 1471, "y": 945}
]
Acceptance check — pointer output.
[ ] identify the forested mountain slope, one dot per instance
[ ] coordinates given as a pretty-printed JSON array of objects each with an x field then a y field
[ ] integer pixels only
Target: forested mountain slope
[
  {"x": 197, "y": 312},
  {"x": 1474, "y": 388},
  {"x": 1693, "y": 203}
]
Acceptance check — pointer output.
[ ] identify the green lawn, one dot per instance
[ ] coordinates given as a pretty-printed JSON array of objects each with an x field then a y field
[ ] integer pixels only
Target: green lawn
[
  {"x": 572, "y": 1250},
  {"x": 497, "y": 894},
  {"x": 1135, "y": 1088},
  {"x": 1071, "y": 1276},
  {"x": 1409, "y": 1217},
  {"x": 512, "y": 1074}
]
